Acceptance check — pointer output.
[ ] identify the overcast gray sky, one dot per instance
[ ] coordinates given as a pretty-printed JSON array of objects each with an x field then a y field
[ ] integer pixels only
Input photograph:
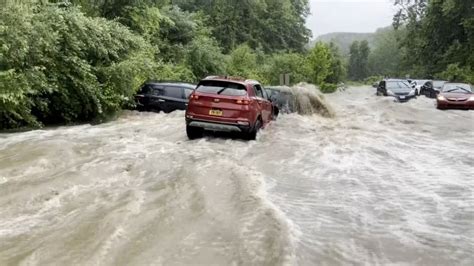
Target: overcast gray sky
[{"x": 349, "y": 15}]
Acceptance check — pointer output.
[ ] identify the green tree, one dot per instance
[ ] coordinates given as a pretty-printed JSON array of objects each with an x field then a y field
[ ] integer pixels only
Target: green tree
[
  {"x": 293, "y": 64},
  {"x": 56, "y": 65},
  {"x": 358, "y": 60},
  {"x": 338, "y": 70},
  {"x": 363, "y": 62},
  {"x": 319, "y": 62},
  {"x": 204, "y": 57},
  {"x": 243, "y": 62},
  {"x": 354, "y": 56},
  {"x": 438, "y": 34},
  {"x": 270, "y": 24},
  {"x": 385, "y": 58}
]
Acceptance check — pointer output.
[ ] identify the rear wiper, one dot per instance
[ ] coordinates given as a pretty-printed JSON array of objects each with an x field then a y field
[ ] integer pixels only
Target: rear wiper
[{"x": 221, "y": 90}]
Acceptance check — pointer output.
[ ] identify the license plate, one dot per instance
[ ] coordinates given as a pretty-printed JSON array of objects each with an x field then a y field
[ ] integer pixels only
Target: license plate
[
  {"x": 215, "y": 112},
  {"x": 402, "y": 97}
]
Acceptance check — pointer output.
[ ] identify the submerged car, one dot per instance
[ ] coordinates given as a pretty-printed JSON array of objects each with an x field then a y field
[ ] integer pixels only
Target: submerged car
[
  {"x": 434, "y": 89},
  {"x": 421, "y": 85},
  {"x": 455, "y": 96},
  {"x": 163, "y": 96},
  {"x": 282, "y": 98},
  {"x": 228, "y": 104},
  {"x": 398, "y": 88}
]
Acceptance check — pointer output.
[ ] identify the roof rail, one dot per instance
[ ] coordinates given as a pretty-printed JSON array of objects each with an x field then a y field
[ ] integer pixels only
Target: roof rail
[
  {"x": 167, "y": 81},
  {"x": 252, "y": 81},
  {"x": 225, "y": 77}
]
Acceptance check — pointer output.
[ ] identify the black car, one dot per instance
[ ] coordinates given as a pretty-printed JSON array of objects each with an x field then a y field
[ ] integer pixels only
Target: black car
[
  {"x": 281, "y": 97},
  {"x": 398, "y": 88},
  {"x": 421, "y": 85},
  {"x": 163, "y": 96},
  {"x": 436, "y": 87}
]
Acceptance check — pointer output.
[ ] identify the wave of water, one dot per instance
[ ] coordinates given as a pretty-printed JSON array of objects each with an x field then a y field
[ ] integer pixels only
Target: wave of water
[{"x": 380, "y": 183}]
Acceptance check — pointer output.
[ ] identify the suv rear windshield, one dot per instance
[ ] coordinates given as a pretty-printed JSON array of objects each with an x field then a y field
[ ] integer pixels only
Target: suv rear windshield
[{"x": 222, "y": 88}]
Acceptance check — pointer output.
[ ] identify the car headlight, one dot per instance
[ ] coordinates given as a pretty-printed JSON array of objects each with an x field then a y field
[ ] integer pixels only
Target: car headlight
[
  {"x": 411, "y": 93},
  {"x": 389, "y": 92},
  {"x": 441, "y": 98},
  {"x": 471, "y": 98}
]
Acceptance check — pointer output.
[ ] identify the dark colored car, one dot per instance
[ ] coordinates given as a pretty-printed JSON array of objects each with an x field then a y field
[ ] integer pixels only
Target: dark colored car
[
  {"x": 424, "y": 86},
  {"x": 421, "y": 85},
  {"x": 282, "y": 98},
  {"x": 434, "y": 89},
  {"x": 398, "y": 88},
  {"x": 228, "y": 104},
  {"x": 163, "y": 96},
  {"x": 455, "y": 96}
]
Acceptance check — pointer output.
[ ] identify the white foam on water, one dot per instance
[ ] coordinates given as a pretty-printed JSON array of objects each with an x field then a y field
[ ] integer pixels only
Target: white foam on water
[{"x": 380, "y": 183}]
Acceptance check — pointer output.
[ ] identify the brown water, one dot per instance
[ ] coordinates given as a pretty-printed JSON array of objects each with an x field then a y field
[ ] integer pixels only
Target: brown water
[{"x": 379, "y": 183}]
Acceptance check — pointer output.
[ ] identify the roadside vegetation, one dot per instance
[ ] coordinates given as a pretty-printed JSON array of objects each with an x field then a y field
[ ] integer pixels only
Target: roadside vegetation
[
  {"x": 80, "y": 60},
  {"x": 73, "y": 61}
]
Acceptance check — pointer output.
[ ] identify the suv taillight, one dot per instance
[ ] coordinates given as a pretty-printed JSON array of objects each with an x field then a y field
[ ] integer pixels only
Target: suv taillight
[{"x": 243, "y": 102}]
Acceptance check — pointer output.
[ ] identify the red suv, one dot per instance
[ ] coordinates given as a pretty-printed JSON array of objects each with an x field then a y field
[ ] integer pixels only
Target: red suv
[{"x": 228, "y": 104}]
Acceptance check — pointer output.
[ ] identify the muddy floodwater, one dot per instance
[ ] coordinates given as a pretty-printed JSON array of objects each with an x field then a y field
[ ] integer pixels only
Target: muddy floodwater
[{"x": 380, "y": 183}]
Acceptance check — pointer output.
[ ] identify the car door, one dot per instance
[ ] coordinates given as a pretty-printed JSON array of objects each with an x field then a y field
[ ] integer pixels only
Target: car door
[
  {"x": 142, "y": 98},
  {"x": 174, "y": 99},
  {"x": 274, "y": 109},
  {"x": 155, "y": 102},
  {"x": 265, "y": 104},
  {"x": 381, "y": 89},
  {"x": 187, "y": 93},
  {"x": 425, "y": 87}
]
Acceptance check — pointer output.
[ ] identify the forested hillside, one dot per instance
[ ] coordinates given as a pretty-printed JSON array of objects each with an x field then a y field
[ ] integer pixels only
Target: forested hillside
[
  {"x": 343, "y": 40},
  {"x": 82, "y": 60},
  {"x": 439, "y": 38},
  {"x": 428, "y": 40}
]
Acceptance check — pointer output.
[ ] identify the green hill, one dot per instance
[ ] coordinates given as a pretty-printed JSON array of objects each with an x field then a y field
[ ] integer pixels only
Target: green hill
[{"x": 344, "y": 39}]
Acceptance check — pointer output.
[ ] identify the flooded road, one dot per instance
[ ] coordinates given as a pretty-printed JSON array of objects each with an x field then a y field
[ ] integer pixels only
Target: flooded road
[{"x": 380, "y": 183}]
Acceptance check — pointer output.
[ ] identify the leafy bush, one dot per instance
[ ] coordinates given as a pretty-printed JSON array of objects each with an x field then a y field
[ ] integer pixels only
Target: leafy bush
[
  {"x": 293, "y": 64},
  {"x": 328, "y": 88},
  {"x": 59, "y": 66},
  {"x": 204, "y": 57},
  {"x": 243, "y": 62},
  {"x": 372, "y": 79},
  {"x": 319, "y": 61},
  {"x": 459, "y": 74}
]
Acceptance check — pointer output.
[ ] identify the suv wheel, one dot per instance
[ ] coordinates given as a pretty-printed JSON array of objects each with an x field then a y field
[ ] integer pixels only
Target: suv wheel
[
  {"x": 252, "y": 134},
  {"x": 194, "y": 132}
]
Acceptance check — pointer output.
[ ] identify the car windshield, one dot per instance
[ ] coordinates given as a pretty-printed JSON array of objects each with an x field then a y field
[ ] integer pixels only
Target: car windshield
[
  {"x": 438, "y": 84},
  {"x": 458, "y": 88},
  {"x": 397, "y": 86},
  {"x": 421, "y": 82},
  {"x": 222, "y": 88}
]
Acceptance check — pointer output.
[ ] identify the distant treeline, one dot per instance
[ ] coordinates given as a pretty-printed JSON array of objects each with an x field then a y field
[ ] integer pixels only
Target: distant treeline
[
  {"x": 82, "y": 60},
  {"x": 429, "y": 39}
]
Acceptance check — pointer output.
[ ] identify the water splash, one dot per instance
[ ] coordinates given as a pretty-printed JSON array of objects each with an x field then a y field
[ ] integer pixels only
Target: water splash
[{"x": 309, "y": 100}]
